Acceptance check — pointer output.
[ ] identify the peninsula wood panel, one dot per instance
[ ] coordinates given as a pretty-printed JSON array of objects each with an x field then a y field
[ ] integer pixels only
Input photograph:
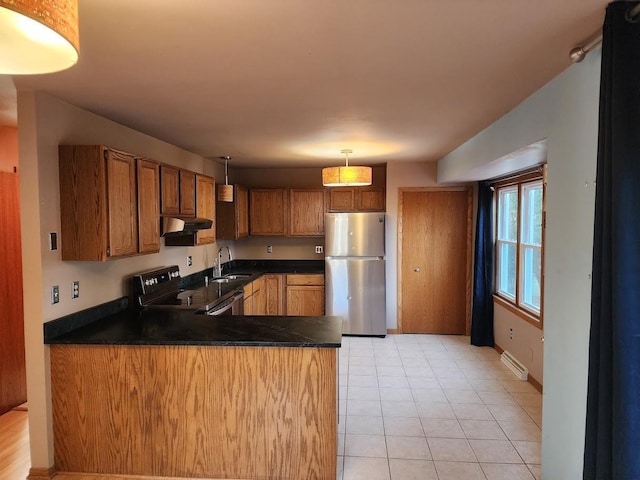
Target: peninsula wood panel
[
  {"x": 435, "y": 242},
  {"x": 13, "y": 387},
  {"x": 195, "y": 412}
]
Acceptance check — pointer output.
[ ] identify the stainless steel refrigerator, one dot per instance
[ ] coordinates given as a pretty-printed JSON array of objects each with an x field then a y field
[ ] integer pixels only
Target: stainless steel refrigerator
[{"x": 355, "y": 272}]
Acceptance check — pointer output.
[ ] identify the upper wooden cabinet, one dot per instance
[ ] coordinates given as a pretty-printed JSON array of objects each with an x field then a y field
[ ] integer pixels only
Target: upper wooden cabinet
[
  {"x": 205, "y": 207},
  {"x": 306, "y": 212},
  {"x": 268, "y": 211},
  {"x": 360, "y": 199},
  {"x": 232, "y": 218},
  {"x": 99, "y": 195},
  {"x": 177, "y": 194},
  {"x": 148, "y": 174}
]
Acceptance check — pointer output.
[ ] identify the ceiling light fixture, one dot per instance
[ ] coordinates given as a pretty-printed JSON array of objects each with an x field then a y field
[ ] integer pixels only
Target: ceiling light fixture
[
  {"x": 225, "y": 192},
  {"x": 38, "y": 36},
  {"x": 347, "y": 175}
]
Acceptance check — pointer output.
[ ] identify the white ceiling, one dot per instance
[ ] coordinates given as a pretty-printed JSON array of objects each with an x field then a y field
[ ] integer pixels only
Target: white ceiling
[{"x": 291, "y": 83}]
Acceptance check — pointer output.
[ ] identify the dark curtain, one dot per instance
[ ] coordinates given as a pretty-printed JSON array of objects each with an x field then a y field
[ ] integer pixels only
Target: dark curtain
[
  {"x": 482, "y": 312},
  {"x": 612, "y": 439}
]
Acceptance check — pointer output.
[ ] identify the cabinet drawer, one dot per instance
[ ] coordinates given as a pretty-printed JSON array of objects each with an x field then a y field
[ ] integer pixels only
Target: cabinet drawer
[{"x": 309, "y": 279}]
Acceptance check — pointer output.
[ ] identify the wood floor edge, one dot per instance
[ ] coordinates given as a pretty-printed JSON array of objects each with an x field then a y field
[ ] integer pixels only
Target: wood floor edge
[
  {"x": 104, "y": 476},
  {"x": 41, "y": 473}
]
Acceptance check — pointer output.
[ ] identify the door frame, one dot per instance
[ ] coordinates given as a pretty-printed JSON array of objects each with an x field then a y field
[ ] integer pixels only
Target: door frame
[{"x": 469, "y": 190}]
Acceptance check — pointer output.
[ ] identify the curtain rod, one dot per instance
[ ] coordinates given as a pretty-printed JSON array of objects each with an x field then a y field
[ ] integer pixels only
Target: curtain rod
[{"x": 577, "y": 54}]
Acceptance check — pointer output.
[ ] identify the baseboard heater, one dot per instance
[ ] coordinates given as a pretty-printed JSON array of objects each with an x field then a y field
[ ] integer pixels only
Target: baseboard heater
[{"x": 515, "y": 366}]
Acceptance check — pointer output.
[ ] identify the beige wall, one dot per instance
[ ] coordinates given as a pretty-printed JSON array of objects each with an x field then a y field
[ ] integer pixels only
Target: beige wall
[
  {"x": 565, "y": 112},
  {"x": 46, "y": 122},
  {"x": 8, "y": 148}
]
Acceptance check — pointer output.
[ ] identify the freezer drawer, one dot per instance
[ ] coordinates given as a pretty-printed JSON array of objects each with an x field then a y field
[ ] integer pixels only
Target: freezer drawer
[{"x": 355, "y": 290}]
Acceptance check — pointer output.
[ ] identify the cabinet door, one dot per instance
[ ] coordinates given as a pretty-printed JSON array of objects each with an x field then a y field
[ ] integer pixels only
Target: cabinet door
[
  {"x": 170, "y": 190},
  {"x": 188, "y": 193},
  {"x": 307, "y": 209},
  {"x": 370, "y": 199},
  {"x": 305, "y": 300},
  {"x": 148, "y": 211},
  {"x": 205, "y": 207},
  {"x": 274, "y": 293},
  {"x": 232, "y": 218},
  {"x": 268, "y": 211},
  {"x": 341, "y": 199},
  {"x": 122, "y": 212},
  {"x": 242, "y": 209},
  {"x": 259, "y": 297}
]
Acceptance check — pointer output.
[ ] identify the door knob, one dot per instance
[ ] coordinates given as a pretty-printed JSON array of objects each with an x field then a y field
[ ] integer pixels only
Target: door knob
[{"x": 417, "y": 269}]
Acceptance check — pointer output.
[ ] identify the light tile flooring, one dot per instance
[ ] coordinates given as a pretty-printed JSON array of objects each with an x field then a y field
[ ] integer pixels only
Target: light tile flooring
[{"x": 433, "y": 407}]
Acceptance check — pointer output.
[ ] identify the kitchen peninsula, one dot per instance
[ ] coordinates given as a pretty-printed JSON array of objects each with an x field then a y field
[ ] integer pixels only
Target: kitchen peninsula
[{"x": 176, "y": 394}]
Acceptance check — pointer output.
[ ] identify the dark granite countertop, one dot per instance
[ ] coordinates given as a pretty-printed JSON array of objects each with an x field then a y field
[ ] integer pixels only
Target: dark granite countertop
[
  {"x": 116, "y": 323},
  {"x": 184, "y": 327}
]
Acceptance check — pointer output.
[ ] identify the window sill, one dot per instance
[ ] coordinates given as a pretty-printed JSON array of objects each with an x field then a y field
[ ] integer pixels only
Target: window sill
[{"x": 523, "y": 314}]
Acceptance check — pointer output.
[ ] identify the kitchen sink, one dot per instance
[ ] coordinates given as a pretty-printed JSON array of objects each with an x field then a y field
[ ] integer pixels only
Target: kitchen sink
[
  {"x": 220, "y": 280},
  {"x": 237, "y": 276}
]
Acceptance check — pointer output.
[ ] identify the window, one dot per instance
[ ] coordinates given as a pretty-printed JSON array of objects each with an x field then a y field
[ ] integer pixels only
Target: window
[{"x": 519, "y": 243}]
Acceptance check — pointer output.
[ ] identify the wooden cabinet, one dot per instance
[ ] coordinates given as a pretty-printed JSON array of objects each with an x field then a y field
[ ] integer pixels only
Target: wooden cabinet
[
  {"x": 148, "y": 175},
  {"x": 306, "y": 212},
  {"x": 177, "y": 191},
  {"x": 274, "y": 294},
  {"x": 205, "y": 207},
  {"x": 305, "y": 294},
  {"x": 99, "y": 203},
  {"x": 360, "y": 199},
  {"x": 254, "y": 298},
  {"x": 268, "y": 211},
  {"x": 232, "y": 218}
]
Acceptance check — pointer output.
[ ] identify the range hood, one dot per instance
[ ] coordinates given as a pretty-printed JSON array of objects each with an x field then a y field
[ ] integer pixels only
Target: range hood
[{"x": 172, "y": 226}]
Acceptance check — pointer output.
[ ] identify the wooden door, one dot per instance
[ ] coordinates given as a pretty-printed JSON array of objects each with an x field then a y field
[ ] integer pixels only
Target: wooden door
[
  {"x": 187, "y": 193},
  {"x": 148, "y": 207},
  {"x": 122, "y": 204},
  {"x": 307, "y": 209},
  {"x": 341, "y": 199},
  {"x": 13, "y": 383},
  {"x": 268, "y": 211},
  {"x": 205, "y": 207},
  {"x": 274, "y": 293},
  {"x": 370, "y": 199},
  {"x": 435, "y": 256},
  {"x": 170, "y": 190}
]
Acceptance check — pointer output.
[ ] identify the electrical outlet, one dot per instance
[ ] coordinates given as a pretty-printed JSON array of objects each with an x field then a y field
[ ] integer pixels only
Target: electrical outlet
[
  {"x": 55, "y": 294},
  {"x": 269, "y": 249},
  {"x": 189, "y": 261},
  {"x": 511, "y": 334},
  {"x": 75, "y": 289},
  {"x": 319, "y": 249},
  {"x": 53, "y": 241}
]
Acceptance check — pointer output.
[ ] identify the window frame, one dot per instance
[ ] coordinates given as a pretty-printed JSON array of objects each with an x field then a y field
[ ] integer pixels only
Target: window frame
[{"x": 517, "y": 305}]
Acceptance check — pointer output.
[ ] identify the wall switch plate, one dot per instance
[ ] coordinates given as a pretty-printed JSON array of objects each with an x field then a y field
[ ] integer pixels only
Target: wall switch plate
[
  {"x": 319, "y": 249},
  {"x": 269, "y": 249},
  {"x": 75, "y": 289},
  {"x": 189, "y": 261},
  {"x": 53, "y": 240},
  {"x": 55, "y": 294}
]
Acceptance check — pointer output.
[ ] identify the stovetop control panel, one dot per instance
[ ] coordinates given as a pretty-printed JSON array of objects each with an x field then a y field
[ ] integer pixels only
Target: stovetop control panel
[{"x": 159, "y": 280}]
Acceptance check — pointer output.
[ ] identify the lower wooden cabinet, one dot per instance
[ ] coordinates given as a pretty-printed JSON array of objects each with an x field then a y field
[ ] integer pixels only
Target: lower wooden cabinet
[
  {"x": 255, "y": 298},
  {"x": 274, "y": 294},
  {"x": 305, "y": 294}
]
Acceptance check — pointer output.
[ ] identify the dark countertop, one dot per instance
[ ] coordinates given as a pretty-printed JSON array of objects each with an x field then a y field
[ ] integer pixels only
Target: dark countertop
[
  {"x": 116, "y": 323},
  {"x": 184, "y": 327}
]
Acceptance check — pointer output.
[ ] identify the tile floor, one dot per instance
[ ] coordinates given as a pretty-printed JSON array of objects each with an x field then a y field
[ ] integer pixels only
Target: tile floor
[{"x": 433, "y": 407}]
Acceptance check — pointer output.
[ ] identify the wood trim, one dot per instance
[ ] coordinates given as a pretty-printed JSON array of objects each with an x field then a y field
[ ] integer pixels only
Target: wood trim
[
  {"x": 42, "y": 473},
  {"x": 519, "y": 312},
  {"x": 392, "y": 331},
  {"x": 536, "y": 384},
  {"x": 401, "y": 191}
]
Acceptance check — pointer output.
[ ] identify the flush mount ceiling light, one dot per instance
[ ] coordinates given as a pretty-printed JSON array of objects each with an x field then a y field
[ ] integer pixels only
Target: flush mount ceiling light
[
  {"x": 346, "y": 176},
  {"x": 38, "y": 36},
  {"x": 225, "y": 192}
]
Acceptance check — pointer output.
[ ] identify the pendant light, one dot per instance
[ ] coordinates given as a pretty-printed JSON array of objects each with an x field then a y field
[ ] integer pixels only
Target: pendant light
[
  {"x": 225, "y": 192},
  {"x": 347, "y": 175},
  {"x": 38, "y": 36}
]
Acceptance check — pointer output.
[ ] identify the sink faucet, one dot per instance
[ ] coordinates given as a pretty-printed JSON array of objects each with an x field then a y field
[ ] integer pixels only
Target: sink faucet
[{"x": 219, "y": 273}]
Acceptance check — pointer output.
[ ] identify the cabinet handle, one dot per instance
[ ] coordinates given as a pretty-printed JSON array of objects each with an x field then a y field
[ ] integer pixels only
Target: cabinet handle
[{"x": 417, "y": 269}]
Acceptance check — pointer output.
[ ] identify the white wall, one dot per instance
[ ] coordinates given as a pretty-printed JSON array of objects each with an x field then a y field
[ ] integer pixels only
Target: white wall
[
  {"x": 44, "y": 123},
  {"x": 565, "y": 112}
]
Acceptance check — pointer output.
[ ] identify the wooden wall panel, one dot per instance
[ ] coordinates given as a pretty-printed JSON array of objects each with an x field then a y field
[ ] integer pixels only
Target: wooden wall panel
[
  {"x": 13, "y": 388},
  {"x": 195, "y": 412}
]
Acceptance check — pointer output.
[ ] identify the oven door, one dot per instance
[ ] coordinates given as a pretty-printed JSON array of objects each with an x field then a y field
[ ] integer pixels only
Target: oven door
[{"x": 231, "y": 306}]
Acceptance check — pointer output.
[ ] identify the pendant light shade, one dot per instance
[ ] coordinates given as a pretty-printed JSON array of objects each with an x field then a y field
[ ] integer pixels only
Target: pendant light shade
[
  {"x": 225, "y": 192},
  {"x": 38, "y": 36},
  {"x": 347, "y": 175}
]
